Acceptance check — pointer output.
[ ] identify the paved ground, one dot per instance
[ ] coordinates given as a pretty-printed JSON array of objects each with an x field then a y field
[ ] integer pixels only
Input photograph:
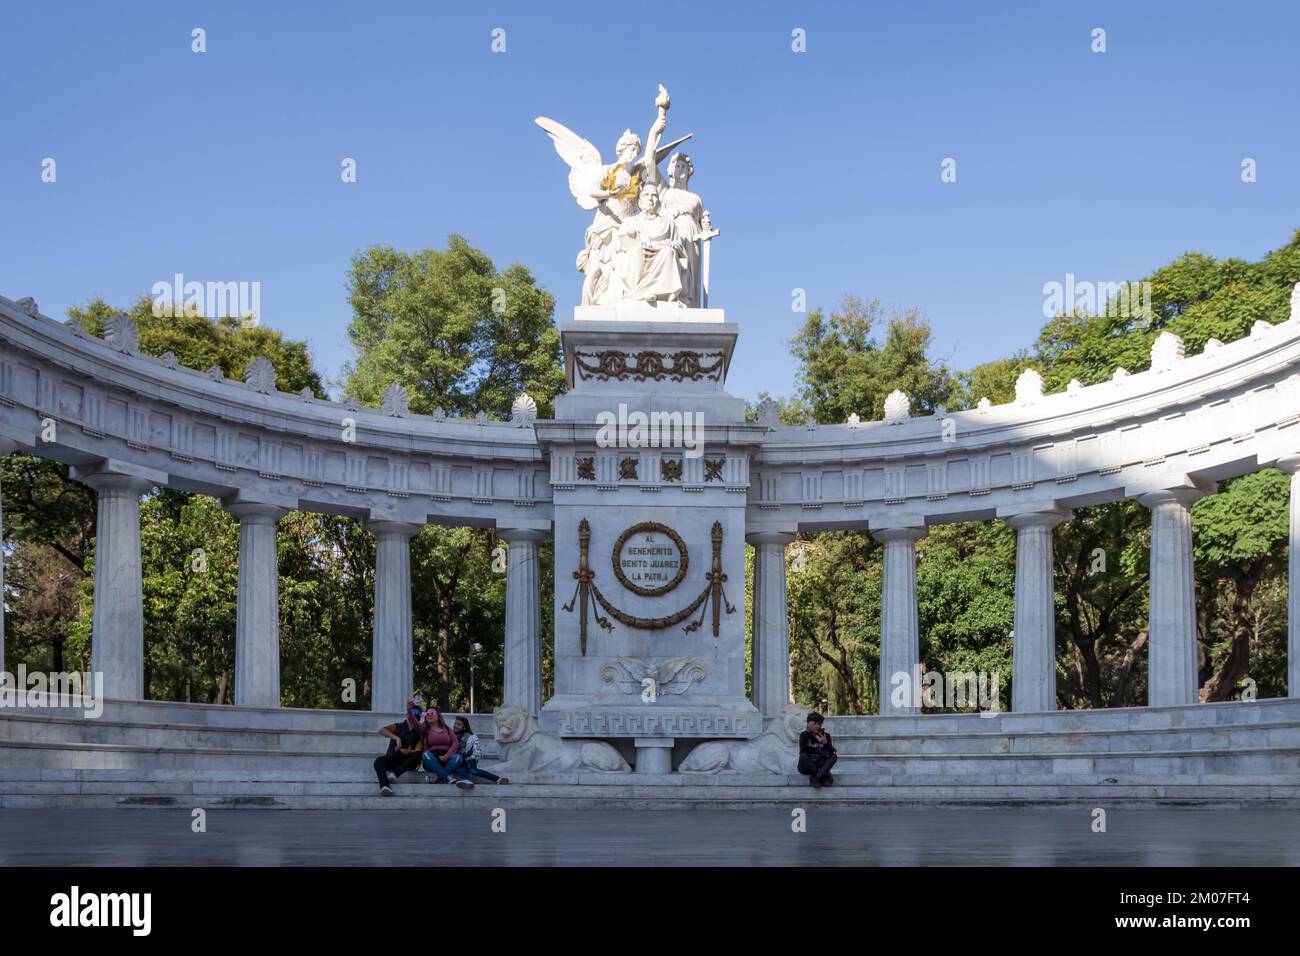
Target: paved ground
[{"x": 1043, "y": 837}]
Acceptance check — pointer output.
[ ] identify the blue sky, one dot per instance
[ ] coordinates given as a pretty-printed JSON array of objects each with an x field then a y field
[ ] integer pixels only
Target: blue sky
[{"x": 822, "y": 169}]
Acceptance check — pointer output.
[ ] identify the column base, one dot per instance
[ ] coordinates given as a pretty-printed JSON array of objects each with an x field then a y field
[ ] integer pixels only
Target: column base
[{"x": 654, "y": 754}]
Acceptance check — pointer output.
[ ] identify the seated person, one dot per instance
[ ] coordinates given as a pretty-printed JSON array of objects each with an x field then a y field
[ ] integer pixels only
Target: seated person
[
  {"x": 471, "y": 752},
  {"x": 441, "y": 755},
  {"x": 816, "y": 752},
  {"x": 405, "y": 742}
]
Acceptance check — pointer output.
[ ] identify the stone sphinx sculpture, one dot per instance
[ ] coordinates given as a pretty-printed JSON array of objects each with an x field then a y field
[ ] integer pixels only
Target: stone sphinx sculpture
[
  {"x": 775, "y": 750},
  {"x": 525, "y": 749}
]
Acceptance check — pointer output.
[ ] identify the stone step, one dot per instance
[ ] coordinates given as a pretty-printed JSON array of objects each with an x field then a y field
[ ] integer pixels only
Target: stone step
[
  {"x": 53, "y": 730},
  {"x": 166, "y": 713},
  {"x": 1276, "y": 734},
  {"x": 638, "y": 797},
  {"x": 64, "y": 730},
  {"x": 1271, "y": 760},
  {"x": 1267, "y": 710},
  {"x": 77, "y": 755},
  {"x": 217, "y": 782}
]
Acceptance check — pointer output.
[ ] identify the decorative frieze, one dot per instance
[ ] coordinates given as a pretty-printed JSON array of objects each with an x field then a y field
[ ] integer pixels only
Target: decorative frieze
[{"x": 680, "y": 366}]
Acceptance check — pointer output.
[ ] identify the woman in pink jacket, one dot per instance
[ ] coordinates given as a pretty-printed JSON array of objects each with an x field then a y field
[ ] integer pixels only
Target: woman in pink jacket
[{"x": 441, "y": 756}]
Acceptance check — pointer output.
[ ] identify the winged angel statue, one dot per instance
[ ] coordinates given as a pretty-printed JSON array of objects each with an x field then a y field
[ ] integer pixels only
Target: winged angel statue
[{"x": 643, "y": 242}]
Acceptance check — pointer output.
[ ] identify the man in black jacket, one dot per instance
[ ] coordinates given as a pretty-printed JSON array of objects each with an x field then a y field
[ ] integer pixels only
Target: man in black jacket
[
  {"x": 405, "y": 742},
  {"x": 816, "y": 752}
]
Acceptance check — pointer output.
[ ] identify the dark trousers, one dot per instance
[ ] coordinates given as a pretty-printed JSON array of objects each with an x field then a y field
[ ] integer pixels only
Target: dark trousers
[
  {"x": 397, "y": 763},
  {"x": 817, "y": 767},
  {"x": 470, "y": 768}
]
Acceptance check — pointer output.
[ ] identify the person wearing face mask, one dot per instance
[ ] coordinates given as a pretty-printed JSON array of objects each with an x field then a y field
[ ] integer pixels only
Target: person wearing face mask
[{"x": 405, "y": 744}]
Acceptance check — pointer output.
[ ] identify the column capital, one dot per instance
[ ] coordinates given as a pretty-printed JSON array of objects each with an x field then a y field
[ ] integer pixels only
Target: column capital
[
  {"x": 108, "y": 483},
  {"x": 385, "y": 527},
  {"x": 1037, "y": 519},
  {"x": 116, "y": 477},
  {"x": 523, "y": 535},
  {"x": 255, "y": 511},
  {"x": 1167, "y": 496},
  {"x": 770, "y": 537},
  {"x": 910, "y": 534},
  {"x": 1288, "y": 463}
]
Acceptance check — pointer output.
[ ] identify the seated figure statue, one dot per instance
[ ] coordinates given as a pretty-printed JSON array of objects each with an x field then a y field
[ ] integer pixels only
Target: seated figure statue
[
  {"x": 652, "y": 257},
  {"x": 775, "y": 750},
  {"x": 525, "y": 749}
]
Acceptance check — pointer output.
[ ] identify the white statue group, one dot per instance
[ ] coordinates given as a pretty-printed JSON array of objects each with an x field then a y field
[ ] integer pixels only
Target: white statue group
[{"x": 649, "y": 238}]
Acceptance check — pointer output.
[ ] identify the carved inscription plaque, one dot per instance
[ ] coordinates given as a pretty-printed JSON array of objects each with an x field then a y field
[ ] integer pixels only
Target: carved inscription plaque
[{"x": 650, "y": 559}]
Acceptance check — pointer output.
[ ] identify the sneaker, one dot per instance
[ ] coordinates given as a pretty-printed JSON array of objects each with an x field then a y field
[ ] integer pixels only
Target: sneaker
[
  {"x": 392, "y": 777},
  {"x": 465, "y": 784},
  {"x": 385, "y": 791},
  {"x": 503, "y": 780},
  {"x": 812, "y": 782}
]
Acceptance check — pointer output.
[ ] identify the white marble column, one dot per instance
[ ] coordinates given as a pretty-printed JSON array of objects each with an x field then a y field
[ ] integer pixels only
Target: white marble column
[
  {"x": 1033, "y": 682},
  {"x": 900, "y": 643},
  {"x": 7, "y": 447},
  {"x": 392, "y": 665},
  {"x": 117, "y": 617},
  {"x": 770, "y": 650},
  {"x": 1171, "y": 638},
  {"x": 1291, "y": 465},
  {"x": 523, "y": 642},
  {"x": 257, "y": 618}
]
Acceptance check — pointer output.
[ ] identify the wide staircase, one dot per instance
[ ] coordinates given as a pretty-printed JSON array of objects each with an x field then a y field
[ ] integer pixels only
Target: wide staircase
[{"x": 155, "y": 754}]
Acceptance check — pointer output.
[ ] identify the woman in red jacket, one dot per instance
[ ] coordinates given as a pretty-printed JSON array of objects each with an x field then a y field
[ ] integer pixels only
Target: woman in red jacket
[{"x": 441, "y": 756}]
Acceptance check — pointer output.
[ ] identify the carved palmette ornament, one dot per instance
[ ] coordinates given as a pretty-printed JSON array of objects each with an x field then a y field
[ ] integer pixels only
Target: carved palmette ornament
[
  {"x": 260, "y": 375},
  {"x": 395, "y": 402},
  {"x": 121, "y": 334},
  {"x": 671, "y": 676},
  {"x": 898, "y": 408},
  {"x": 524, "y": 410}
]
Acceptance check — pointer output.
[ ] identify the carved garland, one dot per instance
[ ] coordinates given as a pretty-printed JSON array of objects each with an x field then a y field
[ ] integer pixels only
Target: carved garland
[
  {"x": 640, "y": 366},
  {"x": 586, "y": 589}
]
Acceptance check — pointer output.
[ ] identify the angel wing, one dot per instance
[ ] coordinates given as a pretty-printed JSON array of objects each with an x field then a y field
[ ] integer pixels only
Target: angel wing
[{"x": 585, "y": 166}]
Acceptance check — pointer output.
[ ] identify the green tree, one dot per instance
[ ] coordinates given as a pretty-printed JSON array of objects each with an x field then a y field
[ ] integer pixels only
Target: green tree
[
  {"x": 456, "y": 332},
  {"x": 845, "y": 369}
]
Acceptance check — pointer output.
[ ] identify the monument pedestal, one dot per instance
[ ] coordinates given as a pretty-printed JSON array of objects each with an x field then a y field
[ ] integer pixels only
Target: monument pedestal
[{"x": 649, "y": 476}]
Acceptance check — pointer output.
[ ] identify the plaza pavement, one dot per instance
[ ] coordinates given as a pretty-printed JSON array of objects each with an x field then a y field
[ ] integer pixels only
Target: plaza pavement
[{"x": 833, "y": 836}]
